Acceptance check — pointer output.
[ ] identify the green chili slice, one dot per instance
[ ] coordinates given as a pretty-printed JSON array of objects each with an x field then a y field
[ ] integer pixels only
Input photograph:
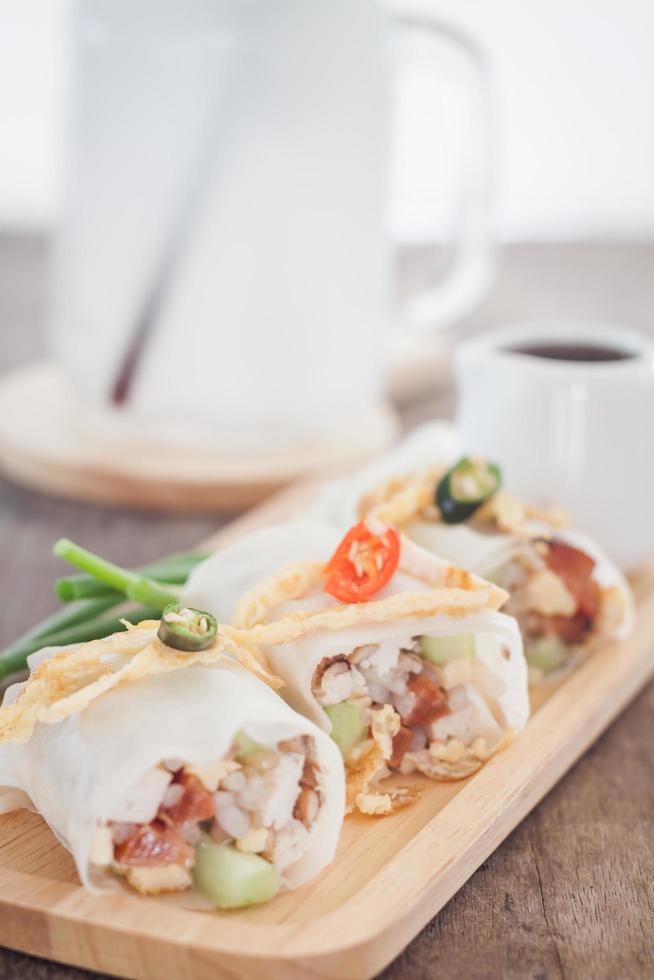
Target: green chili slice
[
  {"x": 465, "y": 487},
  {"x": 187, "y": 629}
]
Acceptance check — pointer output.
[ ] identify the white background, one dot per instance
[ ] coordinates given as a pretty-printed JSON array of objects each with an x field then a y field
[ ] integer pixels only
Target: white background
[{"x": 574, "y": 81}]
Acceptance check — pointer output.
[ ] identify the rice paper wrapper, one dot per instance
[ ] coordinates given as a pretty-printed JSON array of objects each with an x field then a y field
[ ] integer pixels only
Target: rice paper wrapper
[
  {"x": 428, "y": 445},
  {"x": 485, "y": 553},
  {"x": 502, "y": 679},
  {"x": 479, "y": 552},
  {"x": 219, "y": 583},
  {"x": 72, "y": 773}
]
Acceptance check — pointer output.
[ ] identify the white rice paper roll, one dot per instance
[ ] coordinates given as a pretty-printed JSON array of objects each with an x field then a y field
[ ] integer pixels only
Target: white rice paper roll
[
  {"x": 430, "y": 444},
  {"x": 76, "y": 773},
  {"x": 438, "y": 443},
  {"x": 219, "y": 582},
  {"x": 484, "y": 554}
]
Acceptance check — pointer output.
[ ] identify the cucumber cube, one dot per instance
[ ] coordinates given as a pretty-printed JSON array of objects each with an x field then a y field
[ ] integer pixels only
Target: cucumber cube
[
  {"x": 246, "y": 746},
  {"x": 232, "y": 879},
  {"x": 546, "y": 653},
  {"x": 442, "y": 649},
  {"x": 348, "y": 727}
]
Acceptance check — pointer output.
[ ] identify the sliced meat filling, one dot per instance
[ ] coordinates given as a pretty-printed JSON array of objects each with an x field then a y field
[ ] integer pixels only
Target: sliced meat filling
[
  {"x": 554, "y": 595},
  {"x": 263, "y": 800},
  {"x": 149, "y": 845},
  {"x": 388, "y": 673}
]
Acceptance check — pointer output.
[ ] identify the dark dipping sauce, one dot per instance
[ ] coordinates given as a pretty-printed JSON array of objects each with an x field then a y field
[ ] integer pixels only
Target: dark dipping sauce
[{"x": 586, "y": 353}]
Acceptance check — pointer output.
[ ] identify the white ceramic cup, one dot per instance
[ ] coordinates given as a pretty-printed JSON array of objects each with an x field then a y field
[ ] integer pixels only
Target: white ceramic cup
[{"x": 575, "y": 432}]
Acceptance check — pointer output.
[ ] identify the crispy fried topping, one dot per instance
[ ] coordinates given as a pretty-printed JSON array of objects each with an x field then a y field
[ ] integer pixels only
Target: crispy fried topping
[
  {"x": 447, "y": 601},
  {"x": 292, "y": 582},
  {"x": 385, "y": 723},
  {"x": 297, "y": 581},
  {"x": 400, "y": 499},
  {"x": 154, "y": 881},
  {"x": 366, "y": 768},
  {"x": 69, "y": 681},
  {"x": 453, "y": 760},
  {"x": 403, "y": 499}
]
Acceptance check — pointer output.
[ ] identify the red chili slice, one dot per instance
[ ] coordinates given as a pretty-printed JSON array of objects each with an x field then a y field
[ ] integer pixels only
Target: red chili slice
[
  {"x": 153, "y": 844},
  {"x": 193, "y": 807},
  {"x": 363, "y": 563},
  {"x": 430, "y": 701}
]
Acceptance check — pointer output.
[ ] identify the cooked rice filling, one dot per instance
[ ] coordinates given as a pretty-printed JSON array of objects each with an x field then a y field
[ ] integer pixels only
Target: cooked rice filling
[
  {"x": 429, "y": 703},
  {"x": 265, "y": 802}
]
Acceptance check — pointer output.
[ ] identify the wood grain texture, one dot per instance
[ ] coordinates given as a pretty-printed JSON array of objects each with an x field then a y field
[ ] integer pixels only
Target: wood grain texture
[
  {"x": 569, "y": 892},
  {"x": 388, "y": 879}
]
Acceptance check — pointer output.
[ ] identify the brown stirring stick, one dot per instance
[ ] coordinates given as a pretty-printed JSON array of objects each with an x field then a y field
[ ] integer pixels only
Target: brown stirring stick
[
  {"x": 158, "y": 291},
  {"x": 196, "y": 192}
]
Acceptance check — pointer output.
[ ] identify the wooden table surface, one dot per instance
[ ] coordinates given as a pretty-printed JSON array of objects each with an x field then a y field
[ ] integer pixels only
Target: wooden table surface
[{"x": 570, "y": 893}]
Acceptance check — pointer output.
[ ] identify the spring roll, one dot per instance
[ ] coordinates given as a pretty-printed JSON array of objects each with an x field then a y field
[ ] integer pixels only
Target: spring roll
[
  {"x": 567, "y": 595},
  {"x": 418, "y": 673},
  {"x": 199, "y": 780}
]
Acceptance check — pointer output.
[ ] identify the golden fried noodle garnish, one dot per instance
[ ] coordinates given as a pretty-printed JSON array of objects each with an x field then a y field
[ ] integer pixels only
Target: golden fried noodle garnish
[
  {"x": 367, "y": 767},
  {"x": 69, "y": 681},
  {"x": 291, "y": 582},
  {"x": 296, "y": 581},
  {"x": 453, "y": 760},
  {"x": 447, "y": 601},
  {"x": 401, "y": 500}
]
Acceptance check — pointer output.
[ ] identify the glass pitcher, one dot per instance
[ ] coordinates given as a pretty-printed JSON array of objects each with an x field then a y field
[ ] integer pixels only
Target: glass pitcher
[{"x": 223, "y": 271}]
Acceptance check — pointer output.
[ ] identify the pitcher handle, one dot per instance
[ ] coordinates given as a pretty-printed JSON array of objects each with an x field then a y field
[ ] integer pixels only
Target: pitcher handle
[{"x": 474, "y": 259}]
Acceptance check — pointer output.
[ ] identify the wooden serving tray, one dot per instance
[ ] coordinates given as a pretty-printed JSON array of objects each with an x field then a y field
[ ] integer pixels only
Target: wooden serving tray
[{"x": 390, "y": 876}]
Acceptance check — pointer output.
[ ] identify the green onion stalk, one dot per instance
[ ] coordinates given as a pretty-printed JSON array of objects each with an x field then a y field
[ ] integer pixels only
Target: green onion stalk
[
  {"x": 99, "y": 600},
  {"x": 93, "y": 627},
  {"x": 135, "y": 586},
  {"x": 174, "y": 571}
]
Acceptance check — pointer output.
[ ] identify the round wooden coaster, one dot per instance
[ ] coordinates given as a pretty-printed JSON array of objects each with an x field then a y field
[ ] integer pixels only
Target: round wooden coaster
[
  {"x": 42, "y": 447},
  {"x": 418, "y": 366}
]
